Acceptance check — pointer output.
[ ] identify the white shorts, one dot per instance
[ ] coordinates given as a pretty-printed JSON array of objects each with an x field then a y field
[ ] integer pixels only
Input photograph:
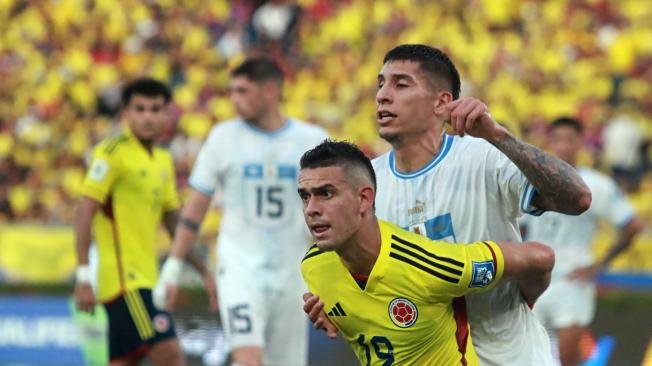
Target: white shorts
[
  {"x": 272, "y": 320},
  {"x": 566, "y": 303}
]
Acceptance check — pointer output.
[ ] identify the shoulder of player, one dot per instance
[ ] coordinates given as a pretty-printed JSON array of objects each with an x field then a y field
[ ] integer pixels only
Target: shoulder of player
[
  {"x": 224, "y": 130},
  {"x": 425, "y": 256},
  {"x": 309, "y": 129},
  {"x": 315, "y": 258},
  {"x": 380, "y": 162},
  {"x": 111, "y": 145},
  {"x": 472, "y": 146},
  {"x": 163, "y": 153}
]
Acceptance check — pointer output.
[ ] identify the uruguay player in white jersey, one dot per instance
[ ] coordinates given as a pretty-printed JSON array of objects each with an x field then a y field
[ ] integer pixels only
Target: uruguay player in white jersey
[
  {"x": 253, "y": 160},
  {"x": 568, "y": 306},
  {"x": 464, "y": 189}
]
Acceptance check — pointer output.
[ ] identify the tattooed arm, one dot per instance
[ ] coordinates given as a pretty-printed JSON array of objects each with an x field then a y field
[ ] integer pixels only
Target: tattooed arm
[{"x": 559, "y": 186}]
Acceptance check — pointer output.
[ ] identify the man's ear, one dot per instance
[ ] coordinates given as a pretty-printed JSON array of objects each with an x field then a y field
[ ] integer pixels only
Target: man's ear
[
  {"x": 271, "y": 89},
  {"x": 441, "y": 100},
  {"x": 367, "y": 196}
]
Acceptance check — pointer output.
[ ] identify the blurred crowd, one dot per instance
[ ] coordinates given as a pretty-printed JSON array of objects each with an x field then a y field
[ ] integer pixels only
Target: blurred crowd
[{"x": 62, "y": 64}]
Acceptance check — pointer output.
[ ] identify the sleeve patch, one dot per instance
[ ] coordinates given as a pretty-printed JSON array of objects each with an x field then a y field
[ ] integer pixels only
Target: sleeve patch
[
  {"x": 98, "y": 170},
  {"x": 482, "y": 274}
]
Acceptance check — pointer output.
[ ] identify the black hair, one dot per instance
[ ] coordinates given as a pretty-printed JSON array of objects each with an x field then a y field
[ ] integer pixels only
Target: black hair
[
  {"x": 337, "y": 153},
  {"x": 566, "y": 122},
  {"x": 148, "y": 87},
  {"x": 259, "y": 70},
  {"x": 433, "y": 61}
]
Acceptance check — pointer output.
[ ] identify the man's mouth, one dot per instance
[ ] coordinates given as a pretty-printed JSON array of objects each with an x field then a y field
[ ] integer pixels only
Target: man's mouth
[
  {"x": 320, "y": 228},
  {"x": 385, "y": 117}
]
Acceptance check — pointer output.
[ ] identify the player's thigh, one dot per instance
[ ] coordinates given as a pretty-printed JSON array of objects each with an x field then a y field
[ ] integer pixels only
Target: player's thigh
[
  {"x": 127, "y": 341},
  {"x": 243, "y": 311},
  {"x": 287, "y": 331},
  {"x": 136, "y": 326},
  {"x": 572, "y": 303},
  {"x": 167, "y": 353}
]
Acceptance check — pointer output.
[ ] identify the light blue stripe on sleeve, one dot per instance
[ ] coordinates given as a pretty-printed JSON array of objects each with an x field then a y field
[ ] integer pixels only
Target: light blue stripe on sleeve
[
  {"x": 526, "y": 201},
  {"x": 201, "y": 188}
]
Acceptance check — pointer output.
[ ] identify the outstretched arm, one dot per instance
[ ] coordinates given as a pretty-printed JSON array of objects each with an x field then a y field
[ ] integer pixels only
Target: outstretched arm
[
  {"x": 530, "y": 265},
  {"x": 559, "y": 186}
]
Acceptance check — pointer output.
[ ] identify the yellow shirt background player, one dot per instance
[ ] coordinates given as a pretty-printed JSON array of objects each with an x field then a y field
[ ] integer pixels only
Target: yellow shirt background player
[
  {"x": 134, "y": 187},
  {"x": 404, "y": 313},
  {"x": 128, "y": 191}
]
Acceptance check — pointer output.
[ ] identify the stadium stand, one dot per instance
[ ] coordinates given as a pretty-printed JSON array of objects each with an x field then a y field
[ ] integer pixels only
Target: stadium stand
[{"x": 62, "y": 64}]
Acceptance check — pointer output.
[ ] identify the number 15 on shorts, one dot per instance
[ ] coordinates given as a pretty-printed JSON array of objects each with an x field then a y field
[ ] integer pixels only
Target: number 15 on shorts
[{"x": 239, "y": 319}]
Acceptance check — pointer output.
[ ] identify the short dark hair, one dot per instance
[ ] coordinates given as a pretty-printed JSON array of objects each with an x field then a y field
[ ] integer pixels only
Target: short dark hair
[
  {"x": 148, "y": 87},
  {"x": 566, "y": 122},
  {"x": 259, "y": 70},
  {"x": 337, "y": 153},
  {"x": 433, "y": 61}
]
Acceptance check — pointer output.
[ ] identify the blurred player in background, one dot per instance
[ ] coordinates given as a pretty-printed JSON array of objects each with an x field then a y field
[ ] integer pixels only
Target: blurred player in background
[
  {"x": 568, "y": 306},
  {"x": 128, "y": 190},
  {"x": 465, "y": 189},
  {"x": 253, "y": 160},
  {"x": 398, "y": 273}
]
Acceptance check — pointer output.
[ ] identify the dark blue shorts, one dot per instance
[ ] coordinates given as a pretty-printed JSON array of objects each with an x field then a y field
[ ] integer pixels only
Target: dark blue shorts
[{"x": 135, "y": 324}]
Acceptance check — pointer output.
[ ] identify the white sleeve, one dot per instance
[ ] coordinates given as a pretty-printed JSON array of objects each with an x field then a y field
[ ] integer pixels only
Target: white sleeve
[
  {"x": 513, "y": 184},
  {"x": 205, "y": 174},
  {"x": 613, "y": 205}
]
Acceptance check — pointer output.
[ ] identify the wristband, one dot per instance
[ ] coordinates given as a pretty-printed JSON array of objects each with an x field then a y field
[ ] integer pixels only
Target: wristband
[
  {"x": 83, "y": 274},
  {"x": 171, "y": 271}
]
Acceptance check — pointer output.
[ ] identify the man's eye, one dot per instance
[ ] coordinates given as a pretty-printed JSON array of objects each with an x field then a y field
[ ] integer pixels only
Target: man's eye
[
  {"x": 402, "y": 85},
  {"x": 327, "y": 194},
  {"x": 140, "y": 108}
]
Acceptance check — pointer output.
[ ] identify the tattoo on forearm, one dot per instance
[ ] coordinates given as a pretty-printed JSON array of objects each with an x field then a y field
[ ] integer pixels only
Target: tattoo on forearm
[
  {"x": 193, "y": 226},
  {"x": 560, "y": 187}
]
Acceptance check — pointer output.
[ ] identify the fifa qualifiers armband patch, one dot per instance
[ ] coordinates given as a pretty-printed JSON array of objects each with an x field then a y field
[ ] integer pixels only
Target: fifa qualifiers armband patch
[{"x": 482, "y": 273}]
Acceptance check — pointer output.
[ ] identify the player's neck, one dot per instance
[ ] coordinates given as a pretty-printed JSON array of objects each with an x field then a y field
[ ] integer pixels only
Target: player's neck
[
  {"x": 271, "y": 121},
  {"x": 414, "y": 152},
  {"x": 360, "y": 254}
]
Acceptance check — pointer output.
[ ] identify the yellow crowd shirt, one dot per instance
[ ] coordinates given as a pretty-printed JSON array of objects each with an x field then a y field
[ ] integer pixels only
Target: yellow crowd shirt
[
  {"x": 135, "y": 187},
  {"x": 410, "y": 311}
]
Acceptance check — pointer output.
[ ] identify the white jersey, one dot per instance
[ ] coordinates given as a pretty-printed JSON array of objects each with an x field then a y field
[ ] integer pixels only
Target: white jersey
[
  {"x": 572, "y": 236},
  {"x": 262, "y": 233},
  {"x": 471, "y": 192}
]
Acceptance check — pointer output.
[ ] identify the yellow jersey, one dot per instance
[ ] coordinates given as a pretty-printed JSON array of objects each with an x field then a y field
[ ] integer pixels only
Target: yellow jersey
[
  {"x": 409, "y": 312},
  {"x": 135, "y": 187}
]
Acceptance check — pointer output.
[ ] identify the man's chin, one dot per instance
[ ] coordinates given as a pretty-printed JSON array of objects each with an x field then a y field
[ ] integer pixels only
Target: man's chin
[
  {"x": 325, "y": 245},
  {"x": 391, "y": 137}
]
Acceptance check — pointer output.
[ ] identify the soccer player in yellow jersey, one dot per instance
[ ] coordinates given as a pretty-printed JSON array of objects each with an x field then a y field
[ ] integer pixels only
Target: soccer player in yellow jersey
[
  {"x": 128, "y": 191},
  {"x": 388, "y": 291}
]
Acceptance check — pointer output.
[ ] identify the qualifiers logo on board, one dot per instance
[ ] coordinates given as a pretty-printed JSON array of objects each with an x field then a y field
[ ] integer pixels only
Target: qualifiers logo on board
[{"x": 403, "y": 312}]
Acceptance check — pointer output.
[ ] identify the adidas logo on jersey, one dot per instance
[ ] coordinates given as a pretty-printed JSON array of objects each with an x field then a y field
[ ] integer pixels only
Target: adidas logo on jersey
[{"x": 337, "y": 310}]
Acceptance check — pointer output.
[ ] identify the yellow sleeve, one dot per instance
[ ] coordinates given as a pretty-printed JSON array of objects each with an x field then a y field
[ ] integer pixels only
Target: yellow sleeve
[
  {"x": 480, "y": 267},
  {"x": 102, "y": 174},
  {"x": 171, "y": 198}
]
